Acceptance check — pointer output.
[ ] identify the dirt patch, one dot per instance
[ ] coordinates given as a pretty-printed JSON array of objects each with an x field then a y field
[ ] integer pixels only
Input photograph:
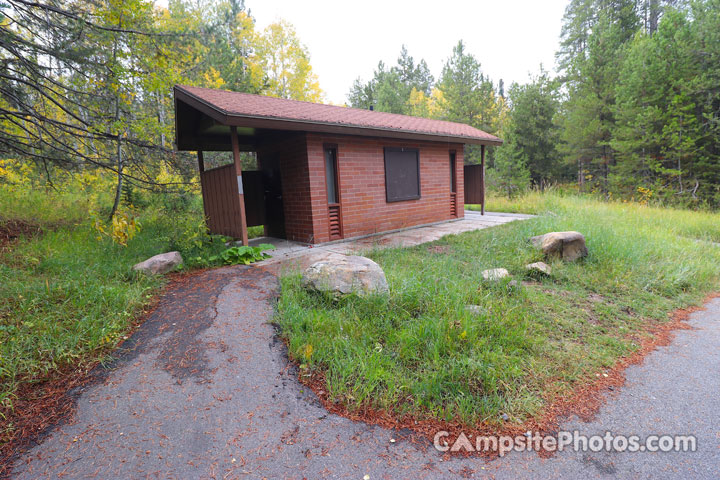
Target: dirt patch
[
  {"x": 438, "y": 249},
  {"x": 11, "y": 230},
  {"x": 557, "y": 293},
  {"x": 591, "y": 317},
  {"x": 595, "y": 298},
  {"x": 584, "y": 401}
]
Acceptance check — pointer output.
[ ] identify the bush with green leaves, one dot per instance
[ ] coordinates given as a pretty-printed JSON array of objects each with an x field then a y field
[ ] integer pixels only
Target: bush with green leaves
[{"x": 244, "y": 254}]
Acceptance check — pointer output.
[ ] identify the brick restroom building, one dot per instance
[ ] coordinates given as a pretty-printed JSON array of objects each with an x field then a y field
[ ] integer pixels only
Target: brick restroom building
[{"x": 325, "y": 172}]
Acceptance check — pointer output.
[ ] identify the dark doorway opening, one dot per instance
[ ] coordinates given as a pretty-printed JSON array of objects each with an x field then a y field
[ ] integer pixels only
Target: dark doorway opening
[{"x": 274, "y": 213}]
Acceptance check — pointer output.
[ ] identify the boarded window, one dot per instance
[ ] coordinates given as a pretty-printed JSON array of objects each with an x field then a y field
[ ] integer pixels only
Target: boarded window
[{"x": 402, "y": 174}]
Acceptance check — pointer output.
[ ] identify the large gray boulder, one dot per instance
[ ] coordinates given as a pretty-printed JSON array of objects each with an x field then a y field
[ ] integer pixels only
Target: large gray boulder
[
  {"x": 342, "y": 274},
  {"x": 569, "y": 246},
  {"x": 159, "y": 264}
]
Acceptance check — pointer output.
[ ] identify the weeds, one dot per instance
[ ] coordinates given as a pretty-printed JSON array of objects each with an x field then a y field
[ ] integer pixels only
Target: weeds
[
  {"x": 67, "y": 294},
  {"x": 243, "y": 255},
  {"x": 420, "y": 350}
]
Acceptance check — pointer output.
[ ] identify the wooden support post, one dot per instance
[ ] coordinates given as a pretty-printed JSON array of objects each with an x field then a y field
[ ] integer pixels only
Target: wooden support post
[
  {"x": 482, "y": 179},
  {"x": 201, "y": 168},
  {"x": 238, "y": 174}
]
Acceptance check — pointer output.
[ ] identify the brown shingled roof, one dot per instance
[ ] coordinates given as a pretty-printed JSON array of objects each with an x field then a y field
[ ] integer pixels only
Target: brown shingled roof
[{"x": 227, "y": 107}]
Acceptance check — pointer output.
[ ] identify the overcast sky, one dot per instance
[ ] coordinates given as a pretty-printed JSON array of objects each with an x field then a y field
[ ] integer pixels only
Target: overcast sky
[{"x": 510, "y": 38}]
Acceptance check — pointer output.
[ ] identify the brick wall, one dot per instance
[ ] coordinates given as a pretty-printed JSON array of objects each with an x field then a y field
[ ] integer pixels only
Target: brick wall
[{"x": 361, "y": 169}]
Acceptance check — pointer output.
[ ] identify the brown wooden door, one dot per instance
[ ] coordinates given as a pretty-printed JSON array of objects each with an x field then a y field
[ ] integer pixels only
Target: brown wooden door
[{"x": 473, "y": 175}]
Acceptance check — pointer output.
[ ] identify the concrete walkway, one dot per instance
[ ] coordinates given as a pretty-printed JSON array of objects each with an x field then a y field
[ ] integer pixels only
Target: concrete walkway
[
  {"x": 203, "y": 390},
  {"x": 290, "y": 254}
]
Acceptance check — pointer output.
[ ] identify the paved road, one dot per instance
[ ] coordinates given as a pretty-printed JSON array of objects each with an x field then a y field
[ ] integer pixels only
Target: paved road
[{"x": 203, "y": 390}]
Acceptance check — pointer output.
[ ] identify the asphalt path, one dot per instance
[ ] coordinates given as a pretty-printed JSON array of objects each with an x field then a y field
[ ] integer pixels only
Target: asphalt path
[{"x": 203, "y": 389}]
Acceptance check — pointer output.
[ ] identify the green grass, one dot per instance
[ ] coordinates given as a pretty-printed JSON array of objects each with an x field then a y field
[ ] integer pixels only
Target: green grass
[
  {"x": 68, "y": 297},
  {"x": 533, "y": 202},
  {"x": 419, "y": 350},
  {"x": 44, "y": 209}
]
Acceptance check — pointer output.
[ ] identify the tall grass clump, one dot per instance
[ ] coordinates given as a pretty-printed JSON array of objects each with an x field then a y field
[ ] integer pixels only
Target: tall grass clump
[{"x": 421, "y": 351}]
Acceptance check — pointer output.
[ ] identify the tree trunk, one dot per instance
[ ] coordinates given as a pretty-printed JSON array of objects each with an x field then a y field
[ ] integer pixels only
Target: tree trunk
[
  {"x": 679, "y": 163},
  {"x": 118, "y": 187},
  {"x": 161, "y": 117},
  {"x": 119, "y": 160},
  {"x": 119, "y": 163},
  {"x": 653, "y": 15}
]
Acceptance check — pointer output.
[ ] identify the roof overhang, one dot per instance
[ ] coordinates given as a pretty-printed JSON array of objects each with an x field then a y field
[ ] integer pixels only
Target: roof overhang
[{"x": 191, "y": 138}]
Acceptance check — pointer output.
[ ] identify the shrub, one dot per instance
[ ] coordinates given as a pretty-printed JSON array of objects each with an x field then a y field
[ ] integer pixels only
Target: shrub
[{"x": 244, "y": 255}]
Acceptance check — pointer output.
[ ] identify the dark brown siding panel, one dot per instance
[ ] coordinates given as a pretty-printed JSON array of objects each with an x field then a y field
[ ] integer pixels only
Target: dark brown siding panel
[
  {"x": 473, "y": 184},
  {"x": 225, "y": 206},
  {"x": 221, "y": 208},
  {"x": 228, "y": 201},
  {"x": 220, "y": 198}
]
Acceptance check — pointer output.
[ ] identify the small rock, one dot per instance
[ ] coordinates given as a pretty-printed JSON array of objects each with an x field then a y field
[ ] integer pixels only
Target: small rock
[
  {"x": 475, "y": 309},
  {"x": 539, "y": 267},
  {"x": 343, "y": 274},
  {"x": 505, "y": 417},
  {"x": 495, "y": 274},
  {"x": 513, "y": 286},
  {"x": 159, "y": 264},
  {"x": 569, "y": 246}
]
